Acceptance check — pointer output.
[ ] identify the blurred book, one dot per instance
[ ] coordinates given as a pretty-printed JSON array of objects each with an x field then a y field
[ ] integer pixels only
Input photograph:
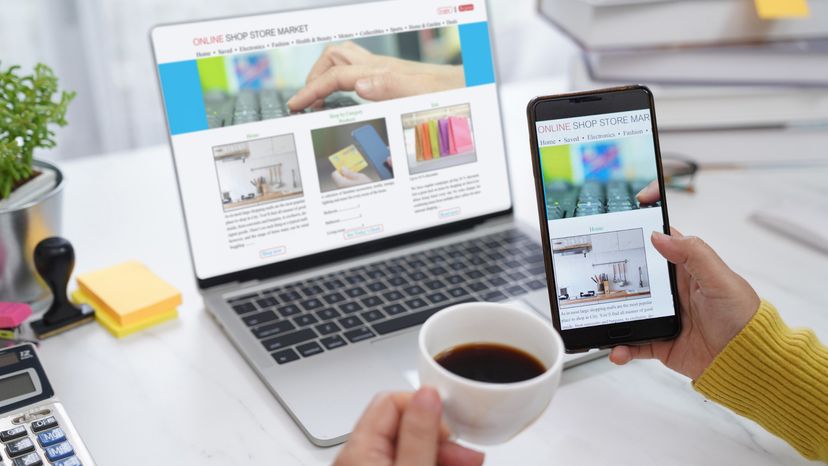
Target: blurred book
[
  {"x": 699, "y": 107},
  {"x": 622, "y": 24},
  {"x": 797, "y": 63}
]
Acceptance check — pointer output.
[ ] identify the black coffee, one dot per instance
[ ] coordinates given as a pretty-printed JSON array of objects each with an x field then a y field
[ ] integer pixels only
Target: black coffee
[{"x": 490, "y": 362}]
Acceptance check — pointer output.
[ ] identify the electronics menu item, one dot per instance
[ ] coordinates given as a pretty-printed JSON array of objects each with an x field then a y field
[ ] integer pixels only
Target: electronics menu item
[
  {"x": 606, "y": 269},
  {"x": 298, "y": 133}
]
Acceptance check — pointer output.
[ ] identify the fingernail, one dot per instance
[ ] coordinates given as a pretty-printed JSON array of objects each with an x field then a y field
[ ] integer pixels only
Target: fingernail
[
  {"x": 657, "y": 235},
  {"x": 364, "y": 86},
  {"x": 641, "y": 192},
  {"x": 427, "y": 399}
]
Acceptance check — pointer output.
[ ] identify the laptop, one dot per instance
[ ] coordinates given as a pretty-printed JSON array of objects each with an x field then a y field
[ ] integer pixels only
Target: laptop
[{"x": 342, "y": 181}]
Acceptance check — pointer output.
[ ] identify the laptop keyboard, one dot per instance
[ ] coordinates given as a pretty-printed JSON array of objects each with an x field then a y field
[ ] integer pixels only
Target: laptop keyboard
[
  {"x": 250, "y": 105},
  {"x": 593, "y": 197},
  {"x": 306, "y": 318}
]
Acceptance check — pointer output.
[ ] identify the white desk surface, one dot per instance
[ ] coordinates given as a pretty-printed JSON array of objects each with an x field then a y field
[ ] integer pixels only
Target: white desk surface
[{"x": 180, "y": 394}]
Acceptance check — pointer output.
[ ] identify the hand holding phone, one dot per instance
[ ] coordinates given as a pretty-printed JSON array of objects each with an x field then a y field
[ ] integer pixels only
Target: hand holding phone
[{"x": 591, "y": 153}]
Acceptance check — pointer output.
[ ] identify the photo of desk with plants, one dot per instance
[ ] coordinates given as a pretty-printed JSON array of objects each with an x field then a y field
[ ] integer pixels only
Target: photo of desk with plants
[
  {"x": 601, "y": 268},
  {"x": 257, "y": 171}
]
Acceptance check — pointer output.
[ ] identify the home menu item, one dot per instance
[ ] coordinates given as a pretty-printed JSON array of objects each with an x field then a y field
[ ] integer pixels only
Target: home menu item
[
  {"x": 594, "y": 153},
  {"x": 293, "y": 133}
]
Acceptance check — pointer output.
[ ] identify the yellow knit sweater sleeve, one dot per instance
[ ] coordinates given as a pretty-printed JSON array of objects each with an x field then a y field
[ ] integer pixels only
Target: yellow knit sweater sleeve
[{"x": 776, "y": 376}]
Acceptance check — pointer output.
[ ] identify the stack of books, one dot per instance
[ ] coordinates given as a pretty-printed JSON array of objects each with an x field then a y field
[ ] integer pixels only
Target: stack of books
[
  {"x": 127, "y": 297},
  {"x": 711, "y": 64}
]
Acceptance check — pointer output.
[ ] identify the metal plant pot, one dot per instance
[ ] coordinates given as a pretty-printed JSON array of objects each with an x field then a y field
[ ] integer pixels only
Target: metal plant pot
[{"x": 20, "y": 230}]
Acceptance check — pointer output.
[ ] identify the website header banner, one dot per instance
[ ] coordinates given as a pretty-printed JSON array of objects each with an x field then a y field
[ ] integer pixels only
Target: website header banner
[{"x": 593, "y": 128}]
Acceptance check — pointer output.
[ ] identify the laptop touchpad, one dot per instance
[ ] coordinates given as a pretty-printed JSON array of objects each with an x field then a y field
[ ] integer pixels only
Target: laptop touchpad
[{"x": 399, "y": 352}]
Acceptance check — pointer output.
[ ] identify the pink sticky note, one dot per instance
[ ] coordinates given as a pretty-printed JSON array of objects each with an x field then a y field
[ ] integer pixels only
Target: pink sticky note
[{"x": 13, "y": 314}]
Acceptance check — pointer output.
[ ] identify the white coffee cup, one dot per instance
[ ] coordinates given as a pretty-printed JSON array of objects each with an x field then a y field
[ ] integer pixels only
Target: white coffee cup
[{"x": 481, "y": 412}]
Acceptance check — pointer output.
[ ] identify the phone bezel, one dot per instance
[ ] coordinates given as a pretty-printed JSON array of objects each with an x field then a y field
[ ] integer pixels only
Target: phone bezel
[{"x": 601, "y": 101}]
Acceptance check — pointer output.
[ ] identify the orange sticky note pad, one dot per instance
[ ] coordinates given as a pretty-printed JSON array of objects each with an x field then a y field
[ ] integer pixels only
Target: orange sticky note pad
[
  {"x": 129, "y": 292},
  {"x": 780, "y": 9}
]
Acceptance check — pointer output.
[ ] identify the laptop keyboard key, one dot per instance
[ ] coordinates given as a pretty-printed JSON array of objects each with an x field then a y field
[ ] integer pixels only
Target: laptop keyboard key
[
  {"x": 305, "y": 319},
  {"x": 309, "y": 349},
  {"x": 394, "y": 309},
  {"x": 497, "y": 281},
  {"x": 408, "y": 320},
  {"x": 312, "y": 290},
  {"x": 376, "y": 286},
  {"x": 355, "y": 291},
  {"x": 371, "y": 301},
  {"x": 455, "y": 279},
  {"x": 327, "y": 314},
  {"x": 393, "y": 296},
  {"x": 289, "y": 296},
  {"x": 267, "y": 302},
  {"x": 349, "y": 308},
  {"x": 289, "y": 310},
  {"x": 244, "y": 308},
  {"x": 478, "y": 286},
  {"x": 350, "y": 322},
  {"x": 414, "y": 290},
  {"x": 334, "y": 298},
  {"x": 285, "y": 356},
  {"x": 334, "y": 284},
  {"x": 536, "y": 284},
  {"x": 416, "y": 303},
  {"x": 417, "y": 276},
  {"x": 359, "y": 334},
  {"x": 333, "y": 342},
  {"x": 515, "y": 290},
  {"x": 436, "y": 298},
  {"x": 474, "y": 274},
  {"x": 327, "y": 328},
  {"x": 434, "y": 284},
  {"x": 260, "y": 318},
  {"x": 494, "y": 296},
  {"x": 372, "y": 315},
  {"x": 397, "y": 281},
  {"x": 354, "y": 279},
  {"x": 289, "y": 339},
  {"x": 311, "y": 304},
  {"x": 457, "y": 292},
  {"x": 276, "y": 328},
  {"x": 242, "y": 298}
]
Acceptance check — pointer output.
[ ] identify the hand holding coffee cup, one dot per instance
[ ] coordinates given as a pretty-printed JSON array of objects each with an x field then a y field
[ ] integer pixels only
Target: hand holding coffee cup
[{"x": 494, "y": 366}]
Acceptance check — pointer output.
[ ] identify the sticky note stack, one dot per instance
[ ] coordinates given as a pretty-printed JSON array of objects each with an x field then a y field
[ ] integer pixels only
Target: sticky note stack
[{"x": 128, "y": 297}]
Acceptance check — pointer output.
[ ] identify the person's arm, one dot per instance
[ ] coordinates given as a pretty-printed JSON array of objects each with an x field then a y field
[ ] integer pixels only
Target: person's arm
[{"x": 777, "y": 377}]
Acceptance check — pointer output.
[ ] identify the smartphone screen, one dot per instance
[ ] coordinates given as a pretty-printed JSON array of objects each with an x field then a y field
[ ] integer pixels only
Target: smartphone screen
[{"x": 595, "y": 152}]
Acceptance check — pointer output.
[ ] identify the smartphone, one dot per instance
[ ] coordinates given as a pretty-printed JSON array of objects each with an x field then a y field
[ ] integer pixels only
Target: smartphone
[
  {"x": 592, "y": 152},
  {"x": 374, "y": 149}
]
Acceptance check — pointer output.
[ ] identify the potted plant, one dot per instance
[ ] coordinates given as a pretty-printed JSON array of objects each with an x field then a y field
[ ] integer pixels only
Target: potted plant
[{"x": 30, "y": 190}]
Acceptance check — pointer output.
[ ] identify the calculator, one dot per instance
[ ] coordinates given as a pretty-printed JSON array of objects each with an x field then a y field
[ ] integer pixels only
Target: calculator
[{"x": 34, "y": 426}]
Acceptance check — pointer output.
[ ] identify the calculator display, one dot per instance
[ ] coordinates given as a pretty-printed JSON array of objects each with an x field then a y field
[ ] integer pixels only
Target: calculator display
[
  {"x": 16, "y": 385},
  {"x": 8, "y": 358}
]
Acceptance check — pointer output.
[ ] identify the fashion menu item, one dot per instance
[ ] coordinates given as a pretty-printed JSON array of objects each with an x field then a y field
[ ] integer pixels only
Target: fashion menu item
[{"x": 443, "y": 137}]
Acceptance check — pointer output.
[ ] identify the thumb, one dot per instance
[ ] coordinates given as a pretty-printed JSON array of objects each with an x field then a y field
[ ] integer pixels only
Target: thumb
[
  {"x": 419, "y": 433},
  {"x": 388, "y": 85},
  {"x": 691, "y": 252}
]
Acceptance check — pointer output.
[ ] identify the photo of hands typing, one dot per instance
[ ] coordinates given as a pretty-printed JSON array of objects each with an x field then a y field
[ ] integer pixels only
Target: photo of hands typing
[{"x": 414, "y": 233}]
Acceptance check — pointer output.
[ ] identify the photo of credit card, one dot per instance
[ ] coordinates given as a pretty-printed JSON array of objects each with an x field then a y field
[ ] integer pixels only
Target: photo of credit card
[{"x": 350, "y": 158}]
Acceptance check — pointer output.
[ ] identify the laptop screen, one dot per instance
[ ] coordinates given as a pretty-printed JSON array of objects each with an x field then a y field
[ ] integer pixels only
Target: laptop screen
[{"x": 304, "y": 132}]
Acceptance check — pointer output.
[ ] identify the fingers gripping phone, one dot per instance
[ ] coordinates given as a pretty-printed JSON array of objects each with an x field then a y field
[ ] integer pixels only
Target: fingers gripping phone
[{"x": 591, "y": 154}]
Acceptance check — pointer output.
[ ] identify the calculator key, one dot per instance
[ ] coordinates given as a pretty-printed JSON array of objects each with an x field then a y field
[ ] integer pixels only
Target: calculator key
[
  {"x": 289, "y": 339},
  {"x": 359, "y": 334},
  {"x": 43, "y": 424},
  {"x": 332, "y": 342},
  {"x": 309, "y": 349},
  {"x": 271, "y": 330},
  {"x": 327, "y": 328},
  {"x": 327, "y": 314},
  {"x": 286, "y": 356},
  {"x": 13, "y": 433},
  {"x": 259, "y": 318},
  {"x": 305, "y": 319},
  {"x": 51, "y": 437},
  {"x": 71, "y": 461},
  {"x": 58, "y": 452},
  {"x": 33, "y": 459},
  {"x": 19, "y": 447}
]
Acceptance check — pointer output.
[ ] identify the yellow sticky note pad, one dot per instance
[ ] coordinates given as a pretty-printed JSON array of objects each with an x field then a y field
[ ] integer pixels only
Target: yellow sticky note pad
[
  {"x": 129, "y": 293},
  {"x": 349, "y": 158},
  {"x": 779, "y": 9},
  {"x": 113, "y": 327}
]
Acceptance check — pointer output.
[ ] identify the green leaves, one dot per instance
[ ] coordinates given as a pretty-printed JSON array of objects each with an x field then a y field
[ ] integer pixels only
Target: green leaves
[{"x": 29, "y": 104}]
